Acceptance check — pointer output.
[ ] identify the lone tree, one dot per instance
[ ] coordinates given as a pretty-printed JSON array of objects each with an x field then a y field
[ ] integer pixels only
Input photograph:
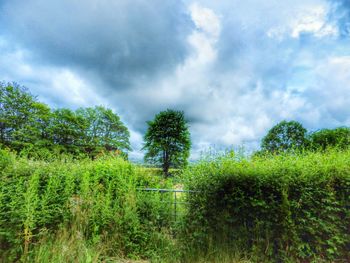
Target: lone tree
[
  {"x": 284, "y": 136},
  {"x": 167, "y": 140}
]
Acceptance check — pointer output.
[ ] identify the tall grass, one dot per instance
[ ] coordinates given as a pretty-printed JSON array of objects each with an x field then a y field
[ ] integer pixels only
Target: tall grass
[{"x": 85, "y": 208}]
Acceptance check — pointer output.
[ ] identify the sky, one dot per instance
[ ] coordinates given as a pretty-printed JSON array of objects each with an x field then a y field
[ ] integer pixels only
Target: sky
[{"x": 236, "y": 68}]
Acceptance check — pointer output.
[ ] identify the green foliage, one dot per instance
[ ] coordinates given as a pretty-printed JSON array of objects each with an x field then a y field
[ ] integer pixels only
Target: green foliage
[
  {"x": 67, "y": 130},
  {"x": 286, "y": 208},
  {"x": 6, "y": 158},
  {"x": 22, "y": 119},
  {"x": 103, "y": 130},
  {"x": 31, "y": 127},
  {"x": 167, "y": 140},
  {"x": 284, "y": 136},
  {"x": 43, "y": 201},
  {"x": 326, "y": 138}
]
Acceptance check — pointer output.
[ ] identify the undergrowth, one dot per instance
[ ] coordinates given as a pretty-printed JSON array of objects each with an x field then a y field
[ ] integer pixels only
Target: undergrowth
[
  {"x": 285, "y": 208},
  {"x": 93, "y": 206}
]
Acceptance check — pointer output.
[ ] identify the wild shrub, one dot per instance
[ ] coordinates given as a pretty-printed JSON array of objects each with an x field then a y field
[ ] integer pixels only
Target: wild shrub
[
  {"x": 99, "y": 199},
  {"x": 288, "y": 207}
]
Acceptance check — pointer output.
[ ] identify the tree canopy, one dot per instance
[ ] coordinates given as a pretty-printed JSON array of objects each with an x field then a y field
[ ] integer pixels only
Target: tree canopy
[
  {"x": 325, "y": 138},
  {"x": 103, "y": 130},
  {"x": 284, "y": 136},
  {"x": 167, "y": 140},
  {"x": 28, "y": 124}
]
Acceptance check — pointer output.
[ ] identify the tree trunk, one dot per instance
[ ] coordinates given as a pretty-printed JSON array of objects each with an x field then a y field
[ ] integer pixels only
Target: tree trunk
[{"x": 166, "y": 163}]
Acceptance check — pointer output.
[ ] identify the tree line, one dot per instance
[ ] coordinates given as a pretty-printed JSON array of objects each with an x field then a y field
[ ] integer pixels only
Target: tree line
[
  {"x": 31, "y": 126},
  {"x": 289, "y": 136},
  {"x": 27, "y": 125}
]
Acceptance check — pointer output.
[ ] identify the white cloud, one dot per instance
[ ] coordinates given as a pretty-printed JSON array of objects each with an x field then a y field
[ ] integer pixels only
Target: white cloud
[
  {"x": 314, "y": 21},
  {"x": 331, "y": 90},
  {"x": 311, "y": 19},
  {"x": 204, "y": 37},
  {"x": 136, "y": 141},
  {"x": 206, "y": 20}
]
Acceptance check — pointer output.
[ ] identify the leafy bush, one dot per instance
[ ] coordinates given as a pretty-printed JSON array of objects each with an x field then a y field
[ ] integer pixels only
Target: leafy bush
[
  {"x": 287, "y": 207},
  {"x": 98, "y": 199}
]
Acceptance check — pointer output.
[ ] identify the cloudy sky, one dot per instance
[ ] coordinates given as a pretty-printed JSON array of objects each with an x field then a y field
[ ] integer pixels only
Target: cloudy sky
[{"x": 235, "y": 67}]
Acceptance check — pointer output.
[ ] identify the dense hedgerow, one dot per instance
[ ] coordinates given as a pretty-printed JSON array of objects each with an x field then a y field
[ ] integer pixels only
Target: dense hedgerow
[
  {"x": 282, "y": 208},
  {"x": 285, "y": 208},
  {"x": 94, "y": 203}
]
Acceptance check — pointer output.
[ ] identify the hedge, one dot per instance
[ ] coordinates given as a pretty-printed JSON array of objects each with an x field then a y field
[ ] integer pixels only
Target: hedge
[{"x": 280, "y": 208}]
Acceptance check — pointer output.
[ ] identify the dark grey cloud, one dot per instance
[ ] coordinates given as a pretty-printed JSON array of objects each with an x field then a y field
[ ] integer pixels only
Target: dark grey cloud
[{"x": 115, "y": 40}]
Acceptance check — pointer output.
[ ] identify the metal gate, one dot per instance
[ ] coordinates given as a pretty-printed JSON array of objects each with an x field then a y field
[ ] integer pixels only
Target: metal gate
[{"x": 175, "y": 191}]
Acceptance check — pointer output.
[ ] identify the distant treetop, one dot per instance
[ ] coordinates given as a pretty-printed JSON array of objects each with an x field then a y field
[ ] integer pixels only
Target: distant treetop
[{"x": 284, "y": 136}]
